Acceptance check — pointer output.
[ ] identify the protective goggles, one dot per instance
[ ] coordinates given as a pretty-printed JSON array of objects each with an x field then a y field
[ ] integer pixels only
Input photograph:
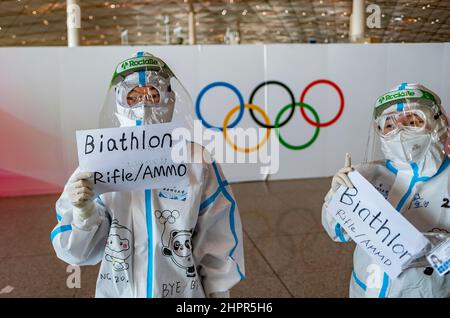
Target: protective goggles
[
  {"x": 130, "y": 93},
  {"x": 413, "y": 120},
  {"x": 148, "y": 95}
]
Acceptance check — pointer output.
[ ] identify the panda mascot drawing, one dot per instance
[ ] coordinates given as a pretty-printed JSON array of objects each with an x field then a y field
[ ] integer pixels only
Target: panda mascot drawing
[
  {"x": 179, "y": 250},
  {"x": 179, "y": 245}
]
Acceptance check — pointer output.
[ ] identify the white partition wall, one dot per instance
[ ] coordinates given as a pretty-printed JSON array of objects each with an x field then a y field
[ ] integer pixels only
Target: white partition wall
[{"x": 46, "y": 94}]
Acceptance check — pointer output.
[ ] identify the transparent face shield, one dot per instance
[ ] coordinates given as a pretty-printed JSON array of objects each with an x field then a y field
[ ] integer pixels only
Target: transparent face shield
[
  {"x": 405, "y": 131},
  {"x": 145, "y": 97},
  {"x": 144, "y": 91}
]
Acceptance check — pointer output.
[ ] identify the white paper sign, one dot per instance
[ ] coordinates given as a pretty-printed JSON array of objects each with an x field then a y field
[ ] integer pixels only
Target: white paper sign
[
  {"x": 130, "y": 158},
  {"x": 385, "y": 235}
]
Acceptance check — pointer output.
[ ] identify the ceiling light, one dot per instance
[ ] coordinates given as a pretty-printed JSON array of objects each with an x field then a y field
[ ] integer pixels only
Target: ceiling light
[
  {"x": 113, "y": 6},
  {"x": 91, "y": 17},
  {"x": 323, "y": 14},
  {"x": 264, "y": 13},
  {"x": 114, "y": 18},
  {"x": 224, "y": 11},
  {"x": 34, "y": 12},
  {"x": 102, "y": 36},
  {"x": 139, "y": 33},
  {"x": 45, "y": 22},
  {"x": 13, "y": 36},
  {"x": 286, "y": 11},
  {"x": 244, "y": 12},
  {"x": 24, "y": 42},
  {"x": 303, "y": 13}
]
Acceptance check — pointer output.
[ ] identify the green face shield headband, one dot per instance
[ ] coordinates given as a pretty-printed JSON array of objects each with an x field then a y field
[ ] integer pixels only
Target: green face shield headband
[
  {"x": 406, "y": 96},
  {"x": 136, "y": 64}
]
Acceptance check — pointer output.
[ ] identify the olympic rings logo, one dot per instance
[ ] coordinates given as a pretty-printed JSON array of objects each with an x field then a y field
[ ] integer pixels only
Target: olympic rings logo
[{"x": 240, "y": 108}]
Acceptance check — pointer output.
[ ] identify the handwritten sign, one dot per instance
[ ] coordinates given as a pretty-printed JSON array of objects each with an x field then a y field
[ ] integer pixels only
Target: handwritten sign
[
  {"x": 384, "y": 234},
  {"x": 130, "y": 158}
]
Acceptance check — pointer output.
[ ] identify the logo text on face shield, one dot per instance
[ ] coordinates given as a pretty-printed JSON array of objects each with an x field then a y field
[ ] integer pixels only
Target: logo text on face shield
[
  {"x": 139, "y": 62},
  {"x": 401, "y": 94}
]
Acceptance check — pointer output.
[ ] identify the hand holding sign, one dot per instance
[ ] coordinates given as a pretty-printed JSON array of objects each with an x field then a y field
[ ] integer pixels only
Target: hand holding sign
[
  {"x": 341, "y": 177},
  {"x": 80, "y": 191},
  {"x": 383, "y": 233}
]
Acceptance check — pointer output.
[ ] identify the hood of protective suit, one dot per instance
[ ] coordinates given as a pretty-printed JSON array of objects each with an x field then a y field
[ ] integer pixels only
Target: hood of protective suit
[{"x": 422, "y": 139}]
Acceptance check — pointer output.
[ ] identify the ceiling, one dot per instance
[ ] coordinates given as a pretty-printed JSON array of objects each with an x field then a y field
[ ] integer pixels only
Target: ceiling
[{"x": 43, "y": 23}]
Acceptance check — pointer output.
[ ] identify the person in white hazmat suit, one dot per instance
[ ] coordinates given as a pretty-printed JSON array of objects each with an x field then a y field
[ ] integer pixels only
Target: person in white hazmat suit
[
  {"x": 411, "y": 128},
  {"x": 179, "y": 241}
]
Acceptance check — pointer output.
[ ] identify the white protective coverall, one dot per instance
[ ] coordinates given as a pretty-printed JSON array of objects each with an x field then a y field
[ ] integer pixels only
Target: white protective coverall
[
  {"x": 179, "y": 241},
  {"x": 419, "y": 190}
]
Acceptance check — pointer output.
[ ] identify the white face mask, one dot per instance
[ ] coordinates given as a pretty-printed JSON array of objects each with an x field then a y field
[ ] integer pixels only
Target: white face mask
[
  {"x": 145, "y": 115},
  {"x": 406, "y": 147},
  {"x": 426, "y": 150}
]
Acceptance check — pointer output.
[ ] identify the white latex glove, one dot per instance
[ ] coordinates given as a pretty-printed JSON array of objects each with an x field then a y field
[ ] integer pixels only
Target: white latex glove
[
  {"x": 341, "y": 177},
  {"x": 80, "y": 191},
  {"x": 225, "y": 294}
]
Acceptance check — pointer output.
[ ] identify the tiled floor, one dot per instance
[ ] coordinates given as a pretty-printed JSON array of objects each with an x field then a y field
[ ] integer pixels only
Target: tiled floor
[{"x": 287, "y": 252}]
